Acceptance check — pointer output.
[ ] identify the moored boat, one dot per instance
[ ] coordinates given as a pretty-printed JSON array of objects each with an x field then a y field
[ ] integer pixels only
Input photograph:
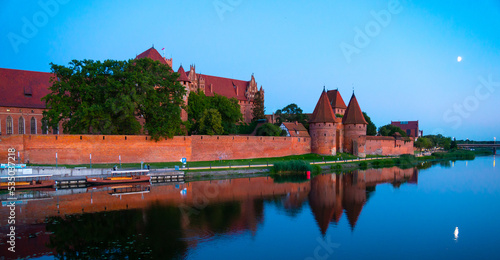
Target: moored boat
[
  {"x": 28, "y": 182},
  {"x": 120, "y": 177}
]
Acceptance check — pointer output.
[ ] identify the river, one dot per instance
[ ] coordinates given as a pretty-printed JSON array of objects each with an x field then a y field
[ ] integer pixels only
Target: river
[{"x": 446, "y": 210}]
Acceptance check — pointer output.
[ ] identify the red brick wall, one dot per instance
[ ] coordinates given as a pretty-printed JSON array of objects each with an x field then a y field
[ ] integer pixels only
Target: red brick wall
[
  {"x": 207, "y": 148},
  {"x": 75, "y": 149},
  {"x": 388, "y": 146}
]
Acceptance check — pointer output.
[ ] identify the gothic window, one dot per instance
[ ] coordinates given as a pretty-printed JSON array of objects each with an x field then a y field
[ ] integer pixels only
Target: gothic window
[
  {"x": 33, "y": 126},
  {"x": 10, "y": 124},
  {"x": 21, "y": 125},
  {"x": 45, "y": 127}
]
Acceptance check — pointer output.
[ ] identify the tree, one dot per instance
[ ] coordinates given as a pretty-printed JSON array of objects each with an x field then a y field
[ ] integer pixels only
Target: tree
[
  {"x": 423, "y": 143},
  {"x": 453, "y": 144},
  {"x": 390, "y": 130},
  {"x": 269, "y": 129},
  {"x": 93, "y": 97},
  {"x": 290, "y": 113},
  {"x": 211, "y": 122},
  {"x": 371, "y": 129},
  {"x": 258, "y": 110},
  {"x": 228, "y": 108}
]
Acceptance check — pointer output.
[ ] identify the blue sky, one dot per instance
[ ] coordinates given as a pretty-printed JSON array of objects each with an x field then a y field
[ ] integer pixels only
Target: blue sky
[{"x": 401, "y": 56}]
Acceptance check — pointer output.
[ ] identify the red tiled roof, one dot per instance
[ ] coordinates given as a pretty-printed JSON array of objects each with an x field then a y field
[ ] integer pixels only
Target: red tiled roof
[
  {"x": 296, "y": 129},
  {"x": 225, "y": 87},
  {"x": 353, "y": 114},
  {"x": 182, "y": 75},
  {"x": 323, "y": 112},
  {"x": 153, "y": 54},
  {"x": 16, "y": 85},
  {"x": 336, "y": 99}
]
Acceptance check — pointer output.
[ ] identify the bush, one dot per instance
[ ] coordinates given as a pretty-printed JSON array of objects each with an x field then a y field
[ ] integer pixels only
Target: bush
[
  {"x": 292, "y": 166},
  {"x": 269, "y": 129},
  {"x": 456, "y": 154},
  {"x": 363, "y": 165}
]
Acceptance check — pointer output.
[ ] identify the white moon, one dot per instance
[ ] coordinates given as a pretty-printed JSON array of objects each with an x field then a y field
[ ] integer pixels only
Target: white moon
[{"x": 459, "y": 59}]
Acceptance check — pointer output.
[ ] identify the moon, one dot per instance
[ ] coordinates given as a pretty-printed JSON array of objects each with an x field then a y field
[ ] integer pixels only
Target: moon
[{"x": 459, "y": 59}]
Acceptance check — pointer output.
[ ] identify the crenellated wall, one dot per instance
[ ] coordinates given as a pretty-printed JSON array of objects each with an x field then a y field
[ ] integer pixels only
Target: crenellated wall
[{"x": 76, "y": 149}]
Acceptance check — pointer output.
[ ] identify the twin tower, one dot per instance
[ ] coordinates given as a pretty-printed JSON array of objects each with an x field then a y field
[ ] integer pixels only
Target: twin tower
[{"x": 333, "y": 127}]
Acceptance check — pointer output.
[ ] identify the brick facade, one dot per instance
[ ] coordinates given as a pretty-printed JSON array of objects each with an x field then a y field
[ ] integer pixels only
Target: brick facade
[{"x": 75, "y": 149}]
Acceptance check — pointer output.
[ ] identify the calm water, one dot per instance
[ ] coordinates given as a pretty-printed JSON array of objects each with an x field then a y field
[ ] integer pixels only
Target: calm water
[{"x": 386, "y": 213}]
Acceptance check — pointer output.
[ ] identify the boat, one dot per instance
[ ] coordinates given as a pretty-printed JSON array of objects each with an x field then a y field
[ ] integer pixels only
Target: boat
[
  {"x": 120, "y": 177},
  {"x": 28, "y": 182}
]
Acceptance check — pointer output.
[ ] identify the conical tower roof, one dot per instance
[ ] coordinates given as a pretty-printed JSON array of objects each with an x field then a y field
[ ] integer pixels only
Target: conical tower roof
[
  {"x": 323, "y": 112},
  {"x": 336, "y": 99},
  {"x": 182, "y": 75},
  {"x": 353, "y": 114}
]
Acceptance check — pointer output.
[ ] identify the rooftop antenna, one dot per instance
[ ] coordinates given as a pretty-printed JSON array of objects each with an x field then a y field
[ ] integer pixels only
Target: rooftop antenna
[{"x": 353, "y": 88}]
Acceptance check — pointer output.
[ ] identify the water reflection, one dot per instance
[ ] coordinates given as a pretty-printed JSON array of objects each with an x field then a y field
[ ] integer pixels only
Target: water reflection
[{"x": 166, "y": 221}]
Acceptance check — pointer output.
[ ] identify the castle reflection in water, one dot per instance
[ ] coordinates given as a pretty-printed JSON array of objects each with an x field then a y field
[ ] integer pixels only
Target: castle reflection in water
[{"x": 110, "y": 219}]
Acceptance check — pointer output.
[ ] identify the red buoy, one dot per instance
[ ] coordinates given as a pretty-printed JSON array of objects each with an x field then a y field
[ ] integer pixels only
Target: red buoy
[{"x": 308, "y": 175}]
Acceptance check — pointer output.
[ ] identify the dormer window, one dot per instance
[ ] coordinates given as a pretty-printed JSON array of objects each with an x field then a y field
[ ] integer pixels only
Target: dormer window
[{"x": 28, "y": 92}]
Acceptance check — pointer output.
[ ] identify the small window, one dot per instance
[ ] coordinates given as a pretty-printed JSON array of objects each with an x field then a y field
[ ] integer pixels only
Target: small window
[
  {"x": 33, "y": 126},
  {"x": 21, "y": 125},
  {"x": 55, "y": 130}
]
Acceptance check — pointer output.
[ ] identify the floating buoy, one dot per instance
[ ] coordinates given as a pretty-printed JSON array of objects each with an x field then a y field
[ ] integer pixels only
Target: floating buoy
[{"x": 308, "y": 175}]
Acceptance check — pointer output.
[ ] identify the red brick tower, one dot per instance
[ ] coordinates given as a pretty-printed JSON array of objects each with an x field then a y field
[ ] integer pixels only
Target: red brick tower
[
  {"x": 322, "y": 127},
  {"x": 185, "y": 81},
  {"x": 354, "y": 127}
]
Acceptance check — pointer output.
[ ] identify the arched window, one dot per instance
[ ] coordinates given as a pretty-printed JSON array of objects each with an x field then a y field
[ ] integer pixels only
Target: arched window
[
  {"x": 45, "y": 127},
  {"x": 33, "y": 126},
  {"x": 10, "y": 124},
  {"x": 21, "y": 125}
]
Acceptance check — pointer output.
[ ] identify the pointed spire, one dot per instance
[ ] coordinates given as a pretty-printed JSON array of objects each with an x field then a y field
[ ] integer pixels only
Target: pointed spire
[
  {"x": 336, "y": 99},
  {"x": 323, "y": 112},
  {"x": 182, "y": 75},
  {"x": 353, "y": 113}
]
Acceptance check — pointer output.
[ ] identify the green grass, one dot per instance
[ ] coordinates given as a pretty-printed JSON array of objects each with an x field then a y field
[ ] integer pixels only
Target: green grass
[
  {"x": 295, "y": 166},
  {"x": 256, "y": 161}
]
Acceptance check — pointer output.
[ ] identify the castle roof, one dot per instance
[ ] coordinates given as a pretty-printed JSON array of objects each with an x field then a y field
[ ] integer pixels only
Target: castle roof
[
  {"x": 182, "y": 75},
  {"x": 353, "y": 114},
  {"x": 296, "y": 129},
  {"x": 22, "y": 88},
  {"x": 153, "y": 54},
  {"x": 336, "y": 99},
  {"x": 323, "y": 112},
  {"x": 230, "y": 88}
]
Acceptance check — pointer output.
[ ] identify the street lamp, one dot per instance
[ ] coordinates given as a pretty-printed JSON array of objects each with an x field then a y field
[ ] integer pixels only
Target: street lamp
[{"x": 494, "y": 140}]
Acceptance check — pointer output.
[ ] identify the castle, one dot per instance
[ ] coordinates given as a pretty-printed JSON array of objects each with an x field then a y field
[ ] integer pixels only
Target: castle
[
  {"x": 243, "y": 91},
  {"x": 21, "y": 91},
  {"x": 333, "y": 128}
]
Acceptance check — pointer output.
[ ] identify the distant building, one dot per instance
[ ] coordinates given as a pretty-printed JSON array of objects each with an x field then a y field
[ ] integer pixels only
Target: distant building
[
  {"x": 410, "y": 127},
  {"x": 294, "y": 129}
]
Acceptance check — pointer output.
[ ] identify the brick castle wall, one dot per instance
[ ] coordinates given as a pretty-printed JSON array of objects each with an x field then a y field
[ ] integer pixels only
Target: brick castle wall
[
  {"x": 75, "y": 149},
  {"x": 381, "y": 145}
]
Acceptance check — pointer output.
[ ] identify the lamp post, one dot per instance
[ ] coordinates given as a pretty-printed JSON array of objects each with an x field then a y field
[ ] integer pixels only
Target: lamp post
[{"x": 494, "y": 140}]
